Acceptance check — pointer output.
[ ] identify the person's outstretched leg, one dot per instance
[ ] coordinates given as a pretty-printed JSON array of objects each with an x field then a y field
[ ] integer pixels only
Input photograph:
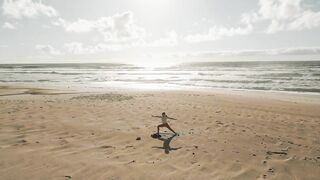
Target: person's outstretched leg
[{"x": 170, "y": 128}]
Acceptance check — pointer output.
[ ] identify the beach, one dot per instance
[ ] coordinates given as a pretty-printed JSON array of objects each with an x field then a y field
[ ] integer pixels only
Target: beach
[
  {"x": 66, "y": 133},
  {"x": 160, "y": 90}
]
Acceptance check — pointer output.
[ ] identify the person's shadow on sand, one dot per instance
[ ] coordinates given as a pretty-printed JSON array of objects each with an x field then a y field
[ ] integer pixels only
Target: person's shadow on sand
[{"x": 166, "y": 144}]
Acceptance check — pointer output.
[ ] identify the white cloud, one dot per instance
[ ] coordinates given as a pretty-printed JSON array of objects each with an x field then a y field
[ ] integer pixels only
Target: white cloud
[
  {"x": 119, "y": 27},
  {"x": 27, "y": 8},
  {"x": 48, "y": 49},
  {"x": 8, "y": 25},
  {"x": 215, "y": 33},
  {"x": 80, "y": 48},
  {"x": 284, "y": 15},
  {"x": 298, "y": 51},
  {"x": 279, "y": 9},
  {"x": 170, "y": 39},
  {"x": 78, "y": 26},
  {"x": 308, "y": 20}
]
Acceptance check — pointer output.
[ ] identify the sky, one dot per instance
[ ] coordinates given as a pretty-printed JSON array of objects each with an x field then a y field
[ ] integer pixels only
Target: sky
[{"x": 158, "y": 31}]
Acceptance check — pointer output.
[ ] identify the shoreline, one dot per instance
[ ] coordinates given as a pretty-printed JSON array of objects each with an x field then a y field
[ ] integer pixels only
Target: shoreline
[{"x": 277, "y": 95}]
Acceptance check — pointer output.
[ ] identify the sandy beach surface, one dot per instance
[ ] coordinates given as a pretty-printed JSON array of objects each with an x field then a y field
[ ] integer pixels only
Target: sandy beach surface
[{"x": 72, "y": 134}]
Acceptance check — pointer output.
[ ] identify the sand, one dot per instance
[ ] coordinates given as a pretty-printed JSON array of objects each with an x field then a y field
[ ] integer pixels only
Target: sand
[{"x": 65, "y": 134}]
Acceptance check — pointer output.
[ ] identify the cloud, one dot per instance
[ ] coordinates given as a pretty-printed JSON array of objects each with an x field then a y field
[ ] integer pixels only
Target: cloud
[
  {"x": 80, "y": 48},
  {"x": 284, "y": 15},
  {"x": 119, "y": 27},
  {"x": 27, "y": 8},
  {"x": 8, "y": 25},
  {"x": 78, "y": 26},
  {"x": 216, "y": 33},
  {"x": 308, "y": 20},
  {"x": 48, "y": 49},
  {"x": 298, "y": 51},
  {"x": 281, "y": 15},
  {"x": 170, "y": 40}
]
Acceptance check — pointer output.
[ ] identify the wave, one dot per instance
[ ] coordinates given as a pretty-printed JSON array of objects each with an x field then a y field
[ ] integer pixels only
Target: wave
[
  {"x": 234, "y": 81},
  {"x": 47, "y": 80},
  {"x": 282, "y": 74},
  {"x": 47, "y": 72},
  {"x": 209, "y": 74},
  {"x": 66, "y": 65},
  {"x": 154, "y": 73},
  {"x": 18, "y": 81},
  {"x": 315, "y": 90}
]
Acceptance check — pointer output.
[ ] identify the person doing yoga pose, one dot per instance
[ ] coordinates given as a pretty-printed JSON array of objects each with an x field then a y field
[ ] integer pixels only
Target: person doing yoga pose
[{"x": 164, "y": 118}]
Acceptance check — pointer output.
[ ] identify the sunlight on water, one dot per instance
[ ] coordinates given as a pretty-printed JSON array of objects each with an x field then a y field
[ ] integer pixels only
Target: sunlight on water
[{"x": 265, "y": 76}]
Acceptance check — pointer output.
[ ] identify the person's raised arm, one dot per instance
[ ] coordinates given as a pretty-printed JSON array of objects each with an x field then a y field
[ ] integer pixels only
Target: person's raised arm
[
  {"x": 156, "y": 116},
  {"x": 172, "y": 118}
]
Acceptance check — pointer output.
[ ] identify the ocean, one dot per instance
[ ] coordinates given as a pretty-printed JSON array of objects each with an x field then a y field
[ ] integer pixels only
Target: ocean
[{"x": 285, "y": 76}]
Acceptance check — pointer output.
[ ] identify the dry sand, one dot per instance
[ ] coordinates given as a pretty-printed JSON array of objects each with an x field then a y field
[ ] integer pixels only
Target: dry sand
[{"x": 50, "y": 134}]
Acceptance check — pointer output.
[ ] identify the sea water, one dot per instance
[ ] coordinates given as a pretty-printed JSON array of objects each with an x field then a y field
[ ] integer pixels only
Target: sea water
[{"x": 288, "y": 76}]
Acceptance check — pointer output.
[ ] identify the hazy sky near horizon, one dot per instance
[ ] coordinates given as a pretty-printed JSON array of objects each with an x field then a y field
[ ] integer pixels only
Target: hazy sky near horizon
[{"x": 158, "y": 31}]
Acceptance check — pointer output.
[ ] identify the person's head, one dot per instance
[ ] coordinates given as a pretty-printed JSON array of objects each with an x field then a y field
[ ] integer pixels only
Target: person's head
[{"x": 163, "y": 114}]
